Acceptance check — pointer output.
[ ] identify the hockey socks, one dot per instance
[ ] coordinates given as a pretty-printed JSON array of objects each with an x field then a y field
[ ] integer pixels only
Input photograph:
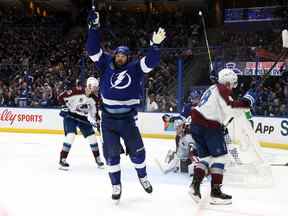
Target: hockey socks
[
  {"x": 96, "y": 154},
  {"x": 63, "y": 156},
  {"x": 200, "y": 170}
]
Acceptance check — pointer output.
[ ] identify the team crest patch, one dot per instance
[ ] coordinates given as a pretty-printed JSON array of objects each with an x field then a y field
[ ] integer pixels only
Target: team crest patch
[{"x": 120, "y": 80}]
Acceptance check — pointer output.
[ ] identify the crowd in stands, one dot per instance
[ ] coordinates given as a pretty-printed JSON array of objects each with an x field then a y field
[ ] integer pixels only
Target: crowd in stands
[
  {"x": 272, "y": 94},
  {"x": 38, "y": 61}
]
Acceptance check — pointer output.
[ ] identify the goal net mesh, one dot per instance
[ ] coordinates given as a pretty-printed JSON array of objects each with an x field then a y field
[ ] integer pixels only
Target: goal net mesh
[{"x": 246, "y": 165}]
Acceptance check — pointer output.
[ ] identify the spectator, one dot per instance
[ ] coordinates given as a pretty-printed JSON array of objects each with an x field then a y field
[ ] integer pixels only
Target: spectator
[{"x": 151, "y": 105}]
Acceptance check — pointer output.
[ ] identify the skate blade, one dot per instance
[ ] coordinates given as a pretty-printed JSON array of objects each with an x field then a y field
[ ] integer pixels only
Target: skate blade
[
  {"x": 63, "y": 168},
  {"x": 195, "y": 198},
  {"x": 216, "y": 201},
  {"x": 116, "y": 201},
  {"x": 100, "y": 167}
]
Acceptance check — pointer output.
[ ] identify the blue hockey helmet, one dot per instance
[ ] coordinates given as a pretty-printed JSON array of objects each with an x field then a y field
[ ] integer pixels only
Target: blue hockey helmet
[{"x": 122, "y": 49}]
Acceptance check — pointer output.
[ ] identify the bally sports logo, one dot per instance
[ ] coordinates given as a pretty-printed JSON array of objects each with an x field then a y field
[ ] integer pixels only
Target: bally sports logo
[{"x": 9, "y": 116}]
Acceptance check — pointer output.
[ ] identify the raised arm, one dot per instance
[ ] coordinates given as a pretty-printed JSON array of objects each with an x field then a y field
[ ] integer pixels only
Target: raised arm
[
  {"x": 152, "y": 57},
  {"x": 93, "y": 47}
]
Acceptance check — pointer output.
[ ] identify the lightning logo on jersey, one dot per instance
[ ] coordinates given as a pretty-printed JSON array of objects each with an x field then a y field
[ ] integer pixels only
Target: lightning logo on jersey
[{"x": 120, "y": 80}]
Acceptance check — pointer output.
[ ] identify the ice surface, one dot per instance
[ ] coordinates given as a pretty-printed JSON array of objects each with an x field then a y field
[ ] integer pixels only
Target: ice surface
[{"x": 32, "y": 185}]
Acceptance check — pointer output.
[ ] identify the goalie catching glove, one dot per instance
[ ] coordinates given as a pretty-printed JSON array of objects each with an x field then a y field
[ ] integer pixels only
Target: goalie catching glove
[{"x": 158, "y": 37}]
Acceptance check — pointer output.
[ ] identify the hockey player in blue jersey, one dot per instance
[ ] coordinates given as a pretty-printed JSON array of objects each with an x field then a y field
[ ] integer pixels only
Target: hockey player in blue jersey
[{"x": 121, "y": 89}]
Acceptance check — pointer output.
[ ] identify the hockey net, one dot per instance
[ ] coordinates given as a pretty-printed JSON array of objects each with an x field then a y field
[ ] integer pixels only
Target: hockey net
[{"x": 246, "y": 165}]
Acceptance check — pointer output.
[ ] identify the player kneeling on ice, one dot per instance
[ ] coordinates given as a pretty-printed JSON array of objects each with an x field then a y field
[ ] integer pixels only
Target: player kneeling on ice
[
  {"x": 121, "y": 90},
  {"x": 79, "y": 111},
  {"x": 216, "y": 105},
  {"x": 185, "y": 156}
]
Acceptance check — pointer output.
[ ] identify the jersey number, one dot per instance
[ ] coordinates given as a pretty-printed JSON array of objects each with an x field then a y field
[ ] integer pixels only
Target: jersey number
[{"x": 204, "y": 98}]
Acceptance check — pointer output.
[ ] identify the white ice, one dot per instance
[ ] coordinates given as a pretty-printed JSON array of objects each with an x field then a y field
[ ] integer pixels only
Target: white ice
[{"x": 32, "y": 185}]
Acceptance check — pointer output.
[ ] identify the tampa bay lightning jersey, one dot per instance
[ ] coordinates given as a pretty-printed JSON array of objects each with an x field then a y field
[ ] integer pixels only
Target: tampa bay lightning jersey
[{"x": 120, "y": 87}]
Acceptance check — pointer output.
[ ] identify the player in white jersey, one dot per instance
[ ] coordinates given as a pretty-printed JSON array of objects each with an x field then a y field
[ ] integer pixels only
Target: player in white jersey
[
  {"x": 184, "y": 155},
  {"x": 208, "y": 117},
  {"x": 81, "y": 112}
]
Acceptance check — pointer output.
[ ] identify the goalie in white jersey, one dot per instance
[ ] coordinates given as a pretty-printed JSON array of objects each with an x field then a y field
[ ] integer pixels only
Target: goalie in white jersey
[
  {"x": 208, "y": 117},
  {"x": 80, "y": 111}
]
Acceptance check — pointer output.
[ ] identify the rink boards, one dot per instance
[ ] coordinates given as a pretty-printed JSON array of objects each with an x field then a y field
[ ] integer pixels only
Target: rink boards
[{"x": 270, "y": 131}]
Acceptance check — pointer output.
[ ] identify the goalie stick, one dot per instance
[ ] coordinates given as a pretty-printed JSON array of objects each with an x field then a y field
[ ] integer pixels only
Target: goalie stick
[{"x": 160, "y": 165}]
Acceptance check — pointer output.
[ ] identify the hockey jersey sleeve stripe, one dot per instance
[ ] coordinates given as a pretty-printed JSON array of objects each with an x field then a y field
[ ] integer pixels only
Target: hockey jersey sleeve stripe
[
  {"x": 144, "y": 67},
  {"x": 113, "y": 168},
  {"x": 97, "y": 56},
  {"x": 122, "y": 102},
  {"x": 140, "y": 166}
]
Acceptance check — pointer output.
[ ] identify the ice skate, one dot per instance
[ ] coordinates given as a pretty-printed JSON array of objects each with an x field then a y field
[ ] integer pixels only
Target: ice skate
[
  {"x": 116, "y": 193},
  {"x": 146, "y": 184},
  {"x": 194, "y": 190},
  {"x": 63, "y": 165},
  {"x": 99, "y": 163},
  {"x": 218, "y": 197}
]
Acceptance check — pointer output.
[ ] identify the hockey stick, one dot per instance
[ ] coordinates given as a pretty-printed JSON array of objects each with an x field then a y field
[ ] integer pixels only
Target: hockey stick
[
  {"x": 283, "y": 54},
  {"x": 98, "y": 128},
  {"x": 80, "y": 120},
  {"x": 93, "y": 4},
  {"x": 284, "y": 164},
  {"x": 159, "y": 165},
  {"x": 206, "y": 39},
  {"x": 84, "y": 122}
]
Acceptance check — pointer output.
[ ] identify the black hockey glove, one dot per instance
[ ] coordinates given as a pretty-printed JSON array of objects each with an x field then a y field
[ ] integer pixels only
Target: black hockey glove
[{"x": 93, "y": 20}]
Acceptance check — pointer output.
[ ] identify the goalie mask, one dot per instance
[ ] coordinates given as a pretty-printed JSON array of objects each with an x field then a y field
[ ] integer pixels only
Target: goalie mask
[{"x": 228, "y": 76}]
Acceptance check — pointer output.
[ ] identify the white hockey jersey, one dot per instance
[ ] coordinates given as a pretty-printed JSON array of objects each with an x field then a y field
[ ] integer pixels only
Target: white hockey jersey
[
  {"x": 216, "y": 105},
  {"x": 77, "y": 102}
]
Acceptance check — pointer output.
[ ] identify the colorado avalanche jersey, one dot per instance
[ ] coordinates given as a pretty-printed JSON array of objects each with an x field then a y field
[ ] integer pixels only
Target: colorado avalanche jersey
[
  {"x": 216, "y": 106},
  {"x": 120, "y": 87},
  {"x": 78, "y": 103}
]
